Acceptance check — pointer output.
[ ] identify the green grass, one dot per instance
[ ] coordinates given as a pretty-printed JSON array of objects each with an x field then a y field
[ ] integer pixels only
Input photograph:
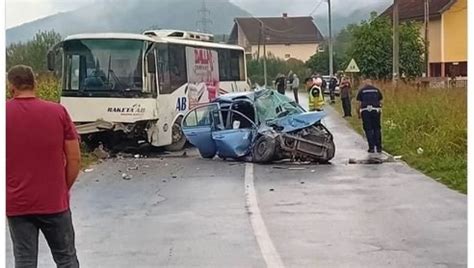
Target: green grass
[{"x": 432, "y": 119}]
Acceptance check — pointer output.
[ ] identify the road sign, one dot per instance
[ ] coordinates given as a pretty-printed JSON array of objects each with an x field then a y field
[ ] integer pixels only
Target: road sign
[{"x": 352, "y": 67}]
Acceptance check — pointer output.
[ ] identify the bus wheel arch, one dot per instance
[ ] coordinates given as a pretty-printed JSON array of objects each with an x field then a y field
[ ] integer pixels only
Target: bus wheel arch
[{"x": 178, "y": 139}]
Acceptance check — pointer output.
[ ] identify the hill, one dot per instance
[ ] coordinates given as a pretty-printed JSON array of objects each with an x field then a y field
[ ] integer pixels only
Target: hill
[{"x": 131, "y": 16}]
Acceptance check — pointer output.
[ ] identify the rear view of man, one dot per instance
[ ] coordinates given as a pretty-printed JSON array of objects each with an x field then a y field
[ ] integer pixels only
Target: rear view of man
[
  {"x": 370, "y": 109},
  {"x": 42, "y": 163}
]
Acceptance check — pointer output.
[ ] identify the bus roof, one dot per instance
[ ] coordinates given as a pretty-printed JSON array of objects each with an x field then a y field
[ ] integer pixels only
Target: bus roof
[
  {"x": 195, "y": 43},
  {"x": 109, "y": 36},
  {"x": 150, "y": 39}
]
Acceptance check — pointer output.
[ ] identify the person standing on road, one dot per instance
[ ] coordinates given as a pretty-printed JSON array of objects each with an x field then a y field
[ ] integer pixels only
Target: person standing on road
[
  {"x": 295, "y": 86},
  {"x": 42, "y": 163},
  {"x": 346, "y": 97},
  {"x": 315, "y": 94},
  {"x": 280, "y": 84},
  {"x": 332, "y": 89},
  {"x": 370, "y": 109}
]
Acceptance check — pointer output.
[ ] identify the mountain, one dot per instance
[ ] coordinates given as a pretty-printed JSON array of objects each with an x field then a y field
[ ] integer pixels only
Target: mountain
[
  {"x": 132, "y": 16},
  {"x": 340, "y": 19}
]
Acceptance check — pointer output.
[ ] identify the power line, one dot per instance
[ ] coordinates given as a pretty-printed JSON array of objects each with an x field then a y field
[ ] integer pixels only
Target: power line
[{"x": 317, "y": 6}]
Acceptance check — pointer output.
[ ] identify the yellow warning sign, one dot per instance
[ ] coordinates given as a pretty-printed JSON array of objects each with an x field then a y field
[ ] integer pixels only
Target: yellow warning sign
[{"x": 352, "y": 67}]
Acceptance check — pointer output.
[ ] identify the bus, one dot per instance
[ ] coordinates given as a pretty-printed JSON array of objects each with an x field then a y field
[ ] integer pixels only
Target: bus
[{"x": 137, "y": 87}]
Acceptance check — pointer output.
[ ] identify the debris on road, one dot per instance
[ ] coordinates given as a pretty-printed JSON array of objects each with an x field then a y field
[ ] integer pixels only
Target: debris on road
[
  {"x": 126, "y": 176},
  {"x": 87, "y": 170},
  {"x": 100, "y": 152},
  {"x": 397, "y": 157},
  {"x": 296, "y": 168},
  {"x": 137, "y": 156},
  {"x": 271, "y": 190},
  {"x": 133, "y": 168}
]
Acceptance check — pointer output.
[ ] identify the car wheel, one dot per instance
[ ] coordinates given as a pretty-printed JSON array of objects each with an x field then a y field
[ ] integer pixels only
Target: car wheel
[
  {"x": 207, "y": 155},
  {"x": 263, "y": 149},
  {"x": 179, "y": 140}
]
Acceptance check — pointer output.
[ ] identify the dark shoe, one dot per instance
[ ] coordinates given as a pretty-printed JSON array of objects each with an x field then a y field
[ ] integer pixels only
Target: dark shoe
[
  {"x": 379, "y": 150},
  {"x": 371, "y": 151}
]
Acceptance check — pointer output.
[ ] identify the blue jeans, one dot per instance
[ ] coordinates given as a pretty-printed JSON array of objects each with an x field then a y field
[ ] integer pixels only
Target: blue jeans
[{"x": 59, "y": 233}]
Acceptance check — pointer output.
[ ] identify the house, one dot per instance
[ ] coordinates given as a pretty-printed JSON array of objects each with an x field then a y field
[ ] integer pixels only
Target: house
[
  {"x": 285, "y": 37},
  {"x": 447, "y": 35}
]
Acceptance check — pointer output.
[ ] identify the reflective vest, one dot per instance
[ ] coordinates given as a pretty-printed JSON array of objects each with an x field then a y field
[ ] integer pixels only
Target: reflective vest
[{"x": 316, "y": 99}]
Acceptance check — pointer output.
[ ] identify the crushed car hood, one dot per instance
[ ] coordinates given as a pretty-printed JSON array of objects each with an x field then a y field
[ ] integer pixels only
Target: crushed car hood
[{"x": 298, "y": 121}]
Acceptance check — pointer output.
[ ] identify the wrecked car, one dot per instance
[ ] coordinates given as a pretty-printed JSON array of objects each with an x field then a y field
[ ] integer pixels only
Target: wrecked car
[{"x": 259, "y": 126}]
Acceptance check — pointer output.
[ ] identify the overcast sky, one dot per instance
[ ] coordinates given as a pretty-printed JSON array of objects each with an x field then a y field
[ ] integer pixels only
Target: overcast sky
[{"x": 21, "y": 11}]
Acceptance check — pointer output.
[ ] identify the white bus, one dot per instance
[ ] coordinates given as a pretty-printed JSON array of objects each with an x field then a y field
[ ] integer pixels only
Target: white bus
[{"x": 137, "y": 87}]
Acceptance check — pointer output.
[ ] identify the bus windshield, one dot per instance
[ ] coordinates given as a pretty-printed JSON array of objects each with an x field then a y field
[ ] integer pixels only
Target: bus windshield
[{"x": 103, "y": 65}]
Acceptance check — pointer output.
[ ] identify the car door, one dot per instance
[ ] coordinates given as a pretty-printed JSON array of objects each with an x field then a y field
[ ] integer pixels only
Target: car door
[
  {"x": 198, "y": 124},
  {"x": 235, "y": 141}
]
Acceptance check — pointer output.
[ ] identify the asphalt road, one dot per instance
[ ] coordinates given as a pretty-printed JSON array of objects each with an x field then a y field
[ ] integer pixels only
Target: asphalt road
[{"x": 191, "y": 212}]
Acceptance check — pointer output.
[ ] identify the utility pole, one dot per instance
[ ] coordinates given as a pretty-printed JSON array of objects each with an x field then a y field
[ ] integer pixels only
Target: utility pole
[
  {"x": 205, "y": 20},
  {"x": 396, "y": 47},
  {"x": 427, "y": 42},
  {"x": 331, "y": 71},
  {"x": 264, "y": 54}
]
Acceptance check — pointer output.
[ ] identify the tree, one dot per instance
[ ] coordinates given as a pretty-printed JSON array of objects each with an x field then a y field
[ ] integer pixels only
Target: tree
[
  {"x": 372, "y": 46},
  {"x": 275, "y": 66},
  {"x": 319, "y": 62},
  {"x": 411, "y": 50},
  {"x": 32, "y": 53}
]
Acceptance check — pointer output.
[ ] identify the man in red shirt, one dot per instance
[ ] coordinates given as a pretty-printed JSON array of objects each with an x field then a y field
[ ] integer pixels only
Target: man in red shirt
[{"x": 42, "y": 163}]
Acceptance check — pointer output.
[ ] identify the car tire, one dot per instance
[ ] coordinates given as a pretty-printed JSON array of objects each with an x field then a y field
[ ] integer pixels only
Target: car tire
[
  {"x": 179, "y": 139},
  {"x": 207, "y": 155},
  {"x": 263, "y": 150}
]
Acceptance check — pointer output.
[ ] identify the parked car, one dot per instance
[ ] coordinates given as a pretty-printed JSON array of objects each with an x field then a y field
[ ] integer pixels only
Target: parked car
[
  {"x": 337, "y": 91},
  {"x": 260, "y": 126}
]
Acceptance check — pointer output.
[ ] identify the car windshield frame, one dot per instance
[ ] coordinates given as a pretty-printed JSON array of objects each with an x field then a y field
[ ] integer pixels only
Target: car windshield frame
[
  {"x": 271, "y": 105},
  {"x": 104, "y": 67}
]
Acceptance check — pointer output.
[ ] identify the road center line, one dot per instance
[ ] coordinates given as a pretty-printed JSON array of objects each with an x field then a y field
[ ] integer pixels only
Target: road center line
[{"x": 269, "y": 253}]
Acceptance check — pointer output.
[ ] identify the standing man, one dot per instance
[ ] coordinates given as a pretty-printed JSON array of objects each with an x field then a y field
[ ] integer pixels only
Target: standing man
[
  {"x": 315, "y": 94},
  {"x": 370, "y": 109},
  {"x": 332, "y": 89},
  {"x": 42, "y": 163},
  {"x": 295, "y": 86},
  {"x": 280, "y": 84},
  {"x": 346, "y": 97}
]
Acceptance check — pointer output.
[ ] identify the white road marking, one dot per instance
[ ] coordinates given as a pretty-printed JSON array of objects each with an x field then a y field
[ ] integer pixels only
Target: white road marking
[{"x": 269, "y": 253}]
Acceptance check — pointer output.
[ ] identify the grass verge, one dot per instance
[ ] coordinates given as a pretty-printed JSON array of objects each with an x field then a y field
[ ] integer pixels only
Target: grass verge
[{"x": 428, "y": 128}]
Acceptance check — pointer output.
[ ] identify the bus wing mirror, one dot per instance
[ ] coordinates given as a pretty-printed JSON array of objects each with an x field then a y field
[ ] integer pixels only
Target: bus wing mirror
[
  {"x": 150, "y": 61},
  {"x": 51, "y": 60}
]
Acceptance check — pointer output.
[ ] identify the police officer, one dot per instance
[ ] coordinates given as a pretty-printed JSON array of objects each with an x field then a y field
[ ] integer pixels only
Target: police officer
[
  {"x": 370, "y": 109},
  {"x": 315, "y": 94}
]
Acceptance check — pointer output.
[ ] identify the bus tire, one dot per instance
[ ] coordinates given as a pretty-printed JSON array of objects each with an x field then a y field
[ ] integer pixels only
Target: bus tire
[{"x": 178, "y": 138}]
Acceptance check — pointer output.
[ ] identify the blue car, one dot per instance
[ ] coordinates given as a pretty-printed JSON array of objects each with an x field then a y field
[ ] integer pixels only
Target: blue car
[{"x": 259, "y": 126}]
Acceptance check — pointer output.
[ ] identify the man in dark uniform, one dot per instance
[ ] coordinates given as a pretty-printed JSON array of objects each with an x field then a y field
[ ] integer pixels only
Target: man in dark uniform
[
  {"x": 280, "y": 83},
  {"x": 370, "y": 109}
]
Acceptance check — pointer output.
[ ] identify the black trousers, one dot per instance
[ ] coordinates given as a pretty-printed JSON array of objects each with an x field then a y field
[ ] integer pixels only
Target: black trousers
[
  {"x": 56, "y": 228},
  {"x": 346, "y": 106},
  {"x": 295, "y": 92},
  {"x": 332, "y": 95},
  {"x": 372, "y": 128}
]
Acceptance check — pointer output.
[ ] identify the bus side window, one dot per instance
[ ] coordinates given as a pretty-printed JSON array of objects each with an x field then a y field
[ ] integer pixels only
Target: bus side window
[
  {"x": 177, "y": 66},
  {"x": 163, "y": 69},
  {"x": 151, "y": 73}
]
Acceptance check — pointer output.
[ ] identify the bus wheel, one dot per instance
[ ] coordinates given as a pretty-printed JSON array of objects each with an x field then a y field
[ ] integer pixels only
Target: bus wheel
[{"x": 178, "y": 138}]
